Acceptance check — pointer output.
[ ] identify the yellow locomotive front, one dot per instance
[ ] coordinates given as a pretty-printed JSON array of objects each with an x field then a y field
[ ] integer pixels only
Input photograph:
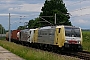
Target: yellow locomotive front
[
  {"x": 73, "y": 38},
  {"x": 69, "y": 37}
]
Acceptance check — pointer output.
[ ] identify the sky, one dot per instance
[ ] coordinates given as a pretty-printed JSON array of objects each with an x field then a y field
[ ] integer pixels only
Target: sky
[{"x": 22, "y": 11}]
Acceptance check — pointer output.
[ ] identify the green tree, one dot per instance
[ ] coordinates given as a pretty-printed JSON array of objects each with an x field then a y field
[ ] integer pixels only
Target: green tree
[
  {"x": 31, "y": 23},
  {"x": 34, "y": 23},
  {"x": 21, "y": 28},
  {"x": 2, "y": 29},
  {"x": 55, "y": 6}
]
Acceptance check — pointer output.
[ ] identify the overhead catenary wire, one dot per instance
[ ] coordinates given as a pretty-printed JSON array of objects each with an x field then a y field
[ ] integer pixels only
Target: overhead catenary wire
[
  {"x": 79, "y": 16},
  {"x": 78, "y": 2},
  {"x": 80, "y": 9}
]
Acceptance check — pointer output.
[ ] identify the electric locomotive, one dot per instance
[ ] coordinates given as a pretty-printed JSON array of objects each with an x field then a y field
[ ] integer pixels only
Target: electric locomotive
[{"x": 68, "y": 37}]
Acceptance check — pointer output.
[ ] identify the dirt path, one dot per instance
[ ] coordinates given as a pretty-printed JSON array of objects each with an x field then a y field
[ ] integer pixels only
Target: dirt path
[{"x": 7, "y": 55}]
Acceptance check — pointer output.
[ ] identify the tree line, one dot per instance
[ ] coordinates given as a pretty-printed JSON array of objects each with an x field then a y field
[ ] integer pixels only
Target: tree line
[{"x": 2, "y": 30}]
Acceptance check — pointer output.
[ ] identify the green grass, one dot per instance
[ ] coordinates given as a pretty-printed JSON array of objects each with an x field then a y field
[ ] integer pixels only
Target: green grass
[
  {"x": 2, "y": 38},
  {"x": 31, "y": 53},
  {"x": 86, "y": 40}
]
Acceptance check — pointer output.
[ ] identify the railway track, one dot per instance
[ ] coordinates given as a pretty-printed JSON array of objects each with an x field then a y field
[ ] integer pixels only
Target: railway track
[{"x": 83, "y": 55}]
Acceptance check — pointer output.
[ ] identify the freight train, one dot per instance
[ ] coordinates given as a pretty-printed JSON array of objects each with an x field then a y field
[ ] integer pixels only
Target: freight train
[{"x": 67, "y": 37}]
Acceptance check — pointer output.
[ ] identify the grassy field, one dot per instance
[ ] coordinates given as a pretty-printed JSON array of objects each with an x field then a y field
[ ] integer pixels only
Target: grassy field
[
  {"x": 86, "y": 40},
  {"x": 33, "y": 54}
]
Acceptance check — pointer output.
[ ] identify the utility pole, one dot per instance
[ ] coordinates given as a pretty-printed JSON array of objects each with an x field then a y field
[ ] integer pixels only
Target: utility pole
[
  {"x": 1, "y": 30},
  {"x": 26, "y": 24},
  {"x": 55, "y": 19},
  {"x": 9, "y": 29}
]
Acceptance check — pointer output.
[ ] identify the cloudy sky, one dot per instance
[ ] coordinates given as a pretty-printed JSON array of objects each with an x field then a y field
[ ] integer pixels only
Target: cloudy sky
[{"x": 23, "y": 10}]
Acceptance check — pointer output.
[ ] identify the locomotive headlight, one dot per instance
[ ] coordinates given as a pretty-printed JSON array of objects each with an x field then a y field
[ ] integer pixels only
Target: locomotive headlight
[
  {"x": 66, "y": 41},
  {"x": 79, "y": 42}
]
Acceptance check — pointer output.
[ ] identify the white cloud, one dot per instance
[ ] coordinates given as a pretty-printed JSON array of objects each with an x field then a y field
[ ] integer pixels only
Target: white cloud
[
  {"x": 69, "y": 3},
  {"x": 27, "y": 8},
  {"x": 81, "y": 21},
  {"x": 80, "y": 12},
  {"x": 8, "y": 14},
  {"x": 78, "y": 8},
  {"x": 7, "y": 1}
]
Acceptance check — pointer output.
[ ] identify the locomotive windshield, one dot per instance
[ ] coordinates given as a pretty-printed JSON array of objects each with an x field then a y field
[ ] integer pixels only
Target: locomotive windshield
[{"x": 72, "y": 32}]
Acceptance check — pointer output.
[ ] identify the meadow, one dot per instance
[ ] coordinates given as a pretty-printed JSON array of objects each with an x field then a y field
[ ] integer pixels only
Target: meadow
[
  {"x": 86, "y": 40},
  {"x": 33, "y": 54}
]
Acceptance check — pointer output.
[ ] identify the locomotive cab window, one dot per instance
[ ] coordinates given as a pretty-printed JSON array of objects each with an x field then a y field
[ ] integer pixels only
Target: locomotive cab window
[
  {"x": 59, "y": 30},
  {"x": 75, "y": 32},
  {"x": 34, "y": 31},
  {"x": 30, "y": 32}
]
